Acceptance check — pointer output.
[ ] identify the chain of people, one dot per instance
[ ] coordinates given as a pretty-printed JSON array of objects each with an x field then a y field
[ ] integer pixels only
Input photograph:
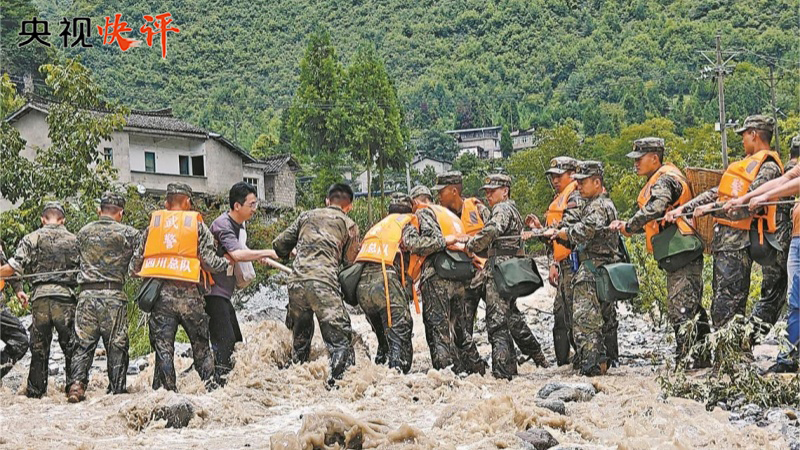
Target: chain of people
[{"x": 442, "y": 259}]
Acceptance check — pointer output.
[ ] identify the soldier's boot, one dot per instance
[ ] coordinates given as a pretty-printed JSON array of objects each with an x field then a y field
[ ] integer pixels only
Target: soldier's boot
[
  {"x": 561, "y": 347},
  {"x": 77, "y": 392},
  {"x": 540, "y": 360}
]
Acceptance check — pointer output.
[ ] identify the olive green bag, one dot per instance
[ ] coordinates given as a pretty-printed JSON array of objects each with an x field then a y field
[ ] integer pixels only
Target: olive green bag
[
  {"x": 148, "y": 293},
  {"x": 763, "y": 252},
  {"x": 517, "y": 277},
  {"x": 615, "y": 281},
  {"x": 674, "y": 250},
  {"x": 348, "y": 280},
  {"x": 452, "y": 265}
]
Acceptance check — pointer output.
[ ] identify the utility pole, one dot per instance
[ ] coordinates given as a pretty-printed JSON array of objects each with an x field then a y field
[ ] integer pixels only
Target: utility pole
[
  {"x": 718, "y": 71},
  {"x": 774, "y": 106}
]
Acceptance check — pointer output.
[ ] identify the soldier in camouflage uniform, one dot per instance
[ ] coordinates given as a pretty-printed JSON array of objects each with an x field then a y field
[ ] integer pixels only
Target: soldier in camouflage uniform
[
  {"x": 732, "y": 261},
  {"x": 685, "y": 285},
  {"x": 326, "y": 240},
  {"x": 561, "y": 273},
  {"x": 504, "y": 221},
  {"x": 12, "y": 333},
  {"x": 181, "y": 302},
  {"x": 594, "y": 324},
  {"x": 51, "y": 248},
  {"x": 394, "y": 343},
  {"x": 442, "y": 299},
  {"x": 106, "y": 247}
]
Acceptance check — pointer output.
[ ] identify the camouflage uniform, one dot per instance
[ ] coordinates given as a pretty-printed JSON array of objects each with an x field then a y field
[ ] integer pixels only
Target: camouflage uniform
[
  {"x": 106, "y": 247},
  {"x": 501, "y": 313},
  {"x": 562, "y": 303},
  {"x": 464, "y": 312},
  {"x": 326, "y": 239},
  {"x": 685, "y": 285},
  {"x": 442, "y": 299},
  {"x": 12, "y": 333},
  {"x": 394, "y": 343},
  {"x": 594, "y": 324},
  {"x": 181, "y": 303},
  {"x": 49, "y": 249},
  {"x": 732, "y": 262}
]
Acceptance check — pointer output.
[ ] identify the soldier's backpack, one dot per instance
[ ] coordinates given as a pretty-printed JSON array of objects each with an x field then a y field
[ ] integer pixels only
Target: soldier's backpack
[
  {"x": 674, "y": 250},
  {"x": 348, "y": 280},
  {"x": 148, "y": 293},
  {"x": 516, "y": 277},
  {"x": 453, "y": 265},
  {"x": 615, "y": 281}
]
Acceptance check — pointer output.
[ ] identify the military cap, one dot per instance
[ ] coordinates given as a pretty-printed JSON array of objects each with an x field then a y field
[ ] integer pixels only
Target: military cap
[
  {"x": 757, "y": 122},
  {"x": 561, "y": 164},
  {"x": 447, "y": 179},
  {"x": 795, "y": 142},
  {"x": 401, "y": 198},
  {"x": 112, "y": 199},
  {"x": 53, "y": 205},
  {"x": 420, "y": 190},
  {"x": 496, "y": 180},
  {"x": 179, "y": 188},
  {"x": 588, "y": 169},
  {"x": 646, "y": 145}
]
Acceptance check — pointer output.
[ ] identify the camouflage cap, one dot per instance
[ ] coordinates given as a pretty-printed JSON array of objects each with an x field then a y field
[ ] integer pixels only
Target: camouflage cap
[
  {"x": 401, "y": 198},
  {"x": 646, "y": 145},
  {"x": 496, "y": 180},
  {"x": 588, "y": 169},
  {"x": 420, "y": 190},
  {"x": 561, "y": 164},
  {"x": 53, "y": 205},
  {"x": 795, "y": 142},
  {"x": 179, "y": 188},
  {"x": 447, "y": 179},
  {"x": 757, "y": 122},
  {"x": 112, "y": 199}
]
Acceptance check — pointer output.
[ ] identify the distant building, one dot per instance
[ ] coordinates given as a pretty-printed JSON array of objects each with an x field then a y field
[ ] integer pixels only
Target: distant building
[
  {"x": 523, "y": 139},
  {"x": 154, "y": 148},
  {"x": 481, "y": 142}
]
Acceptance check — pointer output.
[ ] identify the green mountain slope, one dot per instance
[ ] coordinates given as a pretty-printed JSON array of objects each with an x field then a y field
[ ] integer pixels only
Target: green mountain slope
[{"x": 234, "y": 64}]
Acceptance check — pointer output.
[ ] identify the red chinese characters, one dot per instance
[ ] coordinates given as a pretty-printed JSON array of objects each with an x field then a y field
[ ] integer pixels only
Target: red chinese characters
[{"x": 161, "y": 23}]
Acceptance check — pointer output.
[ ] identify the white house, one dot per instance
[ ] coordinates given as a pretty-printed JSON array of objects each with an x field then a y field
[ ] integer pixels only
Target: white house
[
  {"x": 419, "y": 163},
  {"x": 155, "y": 148},
  {"x": 481, "y": 142},
  {"x": 523, "y": 139}
]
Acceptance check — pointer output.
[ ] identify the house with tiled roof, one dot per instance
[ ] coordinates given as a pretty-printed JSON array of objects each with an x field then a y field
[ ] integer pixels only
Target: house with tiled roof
[{"x": 155, "y": 148}]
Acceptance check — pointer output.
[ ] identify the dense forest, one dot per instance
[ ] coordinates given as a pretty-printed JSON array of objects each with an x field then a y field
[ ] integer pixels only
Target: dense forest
[{"x": 599, "y": 65}]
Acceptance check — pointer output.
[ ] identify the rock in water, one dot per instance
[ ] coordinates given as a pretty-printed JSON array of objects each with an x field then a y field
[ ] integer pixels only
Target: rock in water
[
  {"x": 557, "y": 406},
  {"x": 537, "y": 438},
  {"x": 549, "y": 388},
  {"x": 178, "y": 412}
]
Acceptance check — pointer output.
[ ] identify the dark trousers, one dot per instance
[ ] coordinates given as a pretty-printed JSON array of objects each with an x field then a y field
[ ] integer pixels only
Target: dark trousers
[{"x": 225, "y": 333}]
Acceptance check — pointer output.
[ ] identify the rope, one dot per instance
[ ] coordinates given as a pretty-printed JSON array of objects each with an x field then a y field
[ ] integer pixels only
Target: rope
[{"x": 32, "y": 275}]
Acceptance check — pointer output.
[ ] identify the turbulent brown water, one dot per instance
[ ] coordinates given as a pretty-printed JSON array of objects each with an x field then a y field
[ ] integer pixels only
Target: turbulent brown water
[{"x": 270, "y": 404}]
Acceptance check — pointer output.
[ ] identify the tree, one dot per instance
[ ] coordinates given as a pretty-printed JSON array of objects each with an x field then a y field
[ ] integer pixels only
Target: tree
[
  {"x": 375, "y": 130},
  {"x": 71, "y": 169},
  {"x": 316, "y": 116},
  {"x": 435, "y": 144},
  {"x": 506, "y": 143},
  {"x": 264, "y": 146}
]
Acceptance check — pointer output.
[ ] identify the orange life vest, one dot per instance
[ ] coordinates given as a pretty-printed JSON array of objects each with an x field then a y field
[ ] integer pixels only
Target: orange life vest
[
  {"x": 736, "y": 182},
  {"x": 2, "y": 284},
  {"x": 382, "y": 241},
  {"x": 471, "y": 216},
  {"x": 653, "y": 227},
  {"x": 171, "y": 248},
  {"x": 450, "y": 225},
  {"x": 554, "y": 215}
]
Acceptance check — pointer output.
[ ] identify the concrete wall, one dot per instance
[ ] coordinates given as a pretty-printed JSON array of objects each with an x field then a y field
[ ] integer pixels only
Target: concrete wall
[
  {"x": 439, "y": 166},
  {"x": 284, "y": 187},
  {"x": 223, "y": 167},
  {"x": 258, "y": 174},
  {"x": 168, "y": 151}
]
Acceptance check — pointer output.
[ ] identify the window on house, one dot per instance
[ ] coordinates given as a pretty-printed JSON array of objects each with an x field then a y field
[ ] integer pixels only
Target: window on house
[
  {"x": 198, "y": 166},
  {"x": 252, "y": 181},
  {"x": 183, "y": 161},
  {"x": 149, "y": 162},
  {"x": 108, "y": 154}
]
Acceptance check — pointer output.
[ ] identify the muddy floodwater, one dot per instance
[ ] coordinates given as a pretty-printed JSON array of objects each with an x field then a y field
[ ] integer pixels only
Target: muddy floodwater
[{"x": 271, "y": 404}]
